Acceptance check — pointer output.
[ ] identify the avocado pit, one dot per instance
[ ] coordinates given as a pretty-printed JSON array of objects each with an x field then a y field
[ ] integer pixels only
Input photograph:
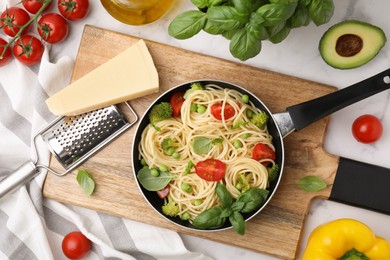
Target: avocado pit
[{"x": 349, "y": 45}]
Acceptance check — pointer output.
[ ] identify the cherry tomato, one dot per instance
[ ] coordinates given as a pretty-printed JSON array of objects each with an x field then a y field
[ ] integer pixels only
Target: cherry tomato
[
  {"x": 210, "y": 169},
  {"x": 28, "y": 50},
  {"x": 262, "y": 151},
  {"x": 367, "y": 129},
  {"x": 75, "y": 245},
  {"x": 164, "y": 192},
  {"x": 12, "y": 19},
  {"x": 7, "y": 55},
  {"x": 53, "y": 28},
  {"x": 177, "y": 101},
  {"x": 216, "y": 111},
  {"x": 33, "y": 6},
  {"x": 73, "y": 9}
]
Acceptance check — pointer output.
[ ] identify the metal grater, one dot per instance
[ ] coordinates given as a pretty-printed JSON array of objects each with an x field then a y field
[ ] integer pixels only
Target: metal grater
[{"x": 72, "y": 140}]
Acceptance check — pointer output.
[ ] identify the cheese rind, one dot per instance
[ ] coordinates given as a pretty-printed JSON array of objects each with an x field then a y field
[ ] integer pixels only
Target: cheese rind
[{"x": 129, "y": 75}]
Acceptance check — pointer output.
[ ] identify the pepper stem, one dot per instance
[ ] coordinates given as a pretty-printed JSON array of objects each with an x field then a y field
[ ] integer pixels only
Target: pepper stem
[{"x": 353, "y": 254}]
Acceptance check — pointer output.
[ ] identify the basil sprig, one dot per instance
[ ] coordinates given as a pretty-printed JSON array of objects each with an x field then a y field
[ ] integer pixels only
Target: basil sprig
[
  {"x": 246, "y": 23},
  {"x": 216, "y": 216}
]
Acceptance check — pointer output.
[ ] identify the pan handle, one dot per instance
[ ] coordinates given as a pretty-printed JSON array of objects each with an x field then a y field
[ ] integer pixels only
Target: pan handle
[
  {"x": 16, "y": 179},
  {"x": 311, "y": 111}
]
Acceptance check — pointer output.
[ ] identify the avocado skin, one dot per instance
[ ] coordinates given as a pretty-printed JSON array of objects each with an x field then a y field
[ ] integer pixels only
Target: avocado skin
[{"x": 373, "y": 41}]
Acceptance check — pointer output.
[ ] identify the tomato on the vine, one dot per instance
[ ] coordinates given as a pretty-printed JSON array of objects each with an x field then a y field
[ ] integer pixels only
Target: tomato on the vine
[
  {"x": 12, "y": 19},
  {"x": 7, "y": 54},
  {"x": 73, "y": 9},
  {"x": 210, "y": 169},
  {"x": 53, "y": 28},
  {"x": 75, "y": 245},
  {"x": 367, "y": 129},
  {"x": 28, "y": 50},
  {"x": 33, "y": 6}
]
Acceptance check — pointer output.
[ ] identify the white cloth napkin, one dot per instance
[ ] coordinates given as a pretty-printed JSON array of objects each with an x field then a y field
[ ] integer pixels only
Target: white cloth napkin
[{"x": 31, "y": 226}]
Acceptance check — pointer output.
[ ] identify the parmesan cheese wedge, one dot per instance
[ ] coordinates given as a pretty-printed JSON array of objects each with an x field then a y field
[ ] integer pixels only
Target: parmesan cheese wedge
[{"x": 129, "y": 75}]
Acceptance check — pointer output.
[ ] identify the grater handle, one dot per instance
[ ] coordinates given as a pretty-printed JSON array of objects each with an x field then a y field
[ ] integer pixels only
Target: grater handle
[{"x": 16, "y": 179}]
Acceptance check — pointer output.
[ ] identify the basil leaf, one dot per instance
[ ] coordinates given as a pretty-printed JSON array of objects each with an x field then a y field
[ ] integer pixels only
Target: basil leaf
[
  {"x": 223, "y": 195},
  {"x": 238, "y": 223},
  {"x": 152, "y": 183},
  {"x": 212, "y": 28},
  {"x": 281, "y": 35},
  {"x": 255, "y": 28},
  {"x": 201, "y": 145},
  {"x": 311, "y": 184},
  {"x": 229, "y": 34},
  {"x": 243, "y": 6},
  {"x": 301, "y": 17},
  {"x": 226, "y": 17},
  {"x": 283, "y": 1},
  {"x": 238, "y": 206},
  {"x": 209, "y": 218},
  {"x": 321, "y": 11},
  {"x": 227, "y": 212},
  {"x": 215, "y": 2},
  {"x": 253, "y": 199},
  {"x": 244, "y": 45},
  {"x": 187, "y": 24},
  {"x": 200, "y": 3},
  {"x": 274, "y": 30},
  {"x": 86, "y": 181},
  {"x": 275, "y": 13}
]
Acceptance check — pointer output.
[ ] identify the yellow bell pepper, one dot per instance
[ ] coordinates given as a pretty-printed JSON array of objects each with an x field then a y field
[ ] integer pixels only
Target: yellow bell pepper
[{"x": 345, "y": 239}]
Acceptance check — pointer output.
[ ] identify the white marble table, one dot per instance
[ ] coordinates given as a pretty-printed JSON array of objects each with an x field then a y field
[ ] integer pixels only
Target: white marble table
[{"x": 298, "y": 56}]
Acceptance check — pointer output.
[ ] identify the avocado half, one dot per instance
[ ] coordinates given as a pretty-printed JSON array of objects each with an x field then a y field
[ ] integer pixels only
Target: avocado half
[{"x": 351, "y": 43}]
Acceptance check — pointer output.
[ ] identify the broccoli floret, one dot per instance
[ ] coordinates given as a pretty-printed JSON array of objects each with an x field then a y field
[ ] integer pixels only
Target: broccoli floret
[
  {"x": 160, "y": 112},
  {"x": 273, "y": 173},
  {"x": 243, "y": 182},
  {"x": 194, "y": 86},
  {"x": 260, "y": 119},
  {"x": 167, "y": 143},
  {"x": 171, "y": 208}
]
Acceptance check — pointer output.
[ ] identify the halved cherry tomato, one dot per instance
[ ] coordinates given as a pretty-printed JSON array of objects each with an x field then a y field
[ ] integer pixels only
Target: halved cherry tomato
[
  {"x": 228, "y": 112},
  {"x": 73, "y": 9},
  {"x": 262, "y": 151},
  {"x": 164, "y": 192},
  {"x": 367, "y": 129},
  {"x": 33, "y": 6},
  {"x": 53, "y": 28},
  {"x": 28, "y": 50},
  {"x": 12, "y": 19},
  {"x": 75, "y": 245},
  {"x": 177, "y": 101},
  {"x": 7, "y": 54},
  {"x": 210, "y": 169}
]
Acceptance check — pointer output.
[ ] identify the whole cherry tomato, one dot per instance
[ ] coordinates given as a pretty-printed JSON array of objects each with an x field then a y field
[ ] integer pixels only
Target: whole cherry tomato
[
  {"x": 228, "y": 112},
  {"x": 53, "y": 28},
  {"x": 75, "y": 245},
  {"x": 262, "y": 151},
  {"x": 73, "y": 9},
  {"x": 367, "y": 129},
  {"x": 33, "y": 6},
  {"x": 210, "y": 169},
  {"x": 176, "y": 101},
  {"x": 28, "y": 50},
  {"x": 7, "y": 54},
  {"x": 12, "y": 19}
]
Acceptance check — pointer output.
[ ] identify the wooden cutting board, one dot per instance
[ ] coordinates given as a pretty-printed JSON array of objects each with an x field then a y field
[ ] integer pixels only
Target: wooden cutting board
[{"x": 276, "y": 230}]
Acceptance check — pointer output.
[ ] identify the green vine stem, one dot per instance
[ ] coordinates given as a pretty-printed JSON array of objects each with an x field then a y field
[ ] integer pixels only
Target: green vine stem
[{"x": 22, "y": 28}]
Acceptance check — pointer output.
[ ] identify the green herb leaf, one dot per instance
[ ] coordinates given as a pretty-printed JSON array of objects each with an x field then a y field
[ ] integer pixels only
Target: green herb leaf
[
  {"x": 201, "y": 145},
  {"x": 311, "y": 183},
  {"x": 223, "y": 195},
  {"x": 226, "y": 212},
  {"x": 187, "y": 24},
  {"x": 301, "y": 17},
  {"x": 244, "y": 45},
  {"x": 238, "y": 223},
  {"x": 200, "y": 3},
  {"x": 321, "y": 11},
  {"x": 226, "y": 17},
  {"x": 281, "y": 35},
  {"x": 213, "y": 28},
  {"x": 152, "y": 183},
  {"x": 238, "y": 206},
  {"x": 86, "y": 181},
  {"x": 209, "y": 218},
  {"x": 253, "y": 199},
  {"x": 188, "y": 168},
  {"x": 275, "y": 13},
  {"x": 255, "y": 27},
  {"x": 215, "y": 2}
]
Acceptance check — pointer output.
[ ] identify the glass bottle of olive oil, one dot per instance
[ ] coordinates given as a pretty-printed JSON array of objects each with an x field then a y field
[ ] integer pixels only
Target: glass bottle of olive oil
[{"x": 137, "y": 12}]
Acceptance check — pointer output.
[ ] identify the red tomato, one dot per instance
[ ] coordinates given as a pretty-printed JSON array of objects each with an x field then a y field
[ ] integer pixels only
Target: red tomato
[
  {"x": 73, "y": 9},
  {"x": 164, "y": 192},
  {"x": 75, "y": 245},
  {"x": 12, "y": 19},
  {"x": 210, "y": 169},
  {"x": 28, "y": 50},
  {"x": 177, "y": 101},
  {"x": 53, "y": 28},
  {"x": 367, "y": 129},
  {"x": 33, "y": 6},
  {"x": 263, "y": 151},
  {"x": 7, "y": 55},
  {"x": 216, "y": 111}
]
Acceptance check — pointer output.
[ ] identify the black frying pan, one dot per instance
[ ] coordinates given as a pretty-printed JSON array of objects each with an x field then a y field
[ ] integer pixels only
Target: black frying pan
[{"x": 280, "y": 125}]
